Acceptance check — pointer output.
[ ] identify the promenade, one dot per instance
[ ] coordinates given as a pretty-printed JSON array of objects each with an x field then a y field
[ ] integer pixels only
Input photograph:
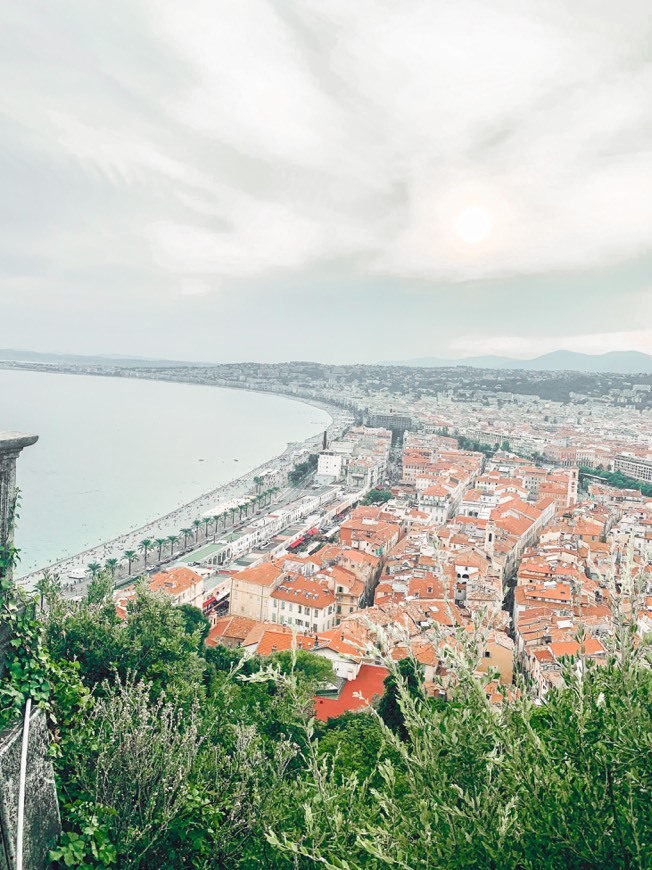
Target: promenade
[{"x": 242, "y": 488}]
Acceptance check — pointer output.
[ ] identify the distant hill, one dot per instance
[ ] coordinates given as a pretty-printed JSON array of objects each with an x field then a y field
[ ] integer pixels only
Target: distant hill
[
  {"x": 618, "y": 362},
  {"x": 32, "y": 356}
]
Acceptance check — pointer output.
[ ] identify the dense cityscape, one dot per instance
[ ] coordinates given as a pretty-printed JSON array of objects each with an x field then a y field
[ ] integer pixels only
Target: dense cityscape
[
  {"x": 446, "y": 499},
  {"x": 457, "y": 547}
]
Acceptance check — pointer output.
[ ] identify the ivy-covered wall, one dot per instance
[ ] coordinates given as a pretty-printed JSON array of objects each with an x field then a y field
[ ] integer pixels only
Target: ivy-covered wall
[{"x": 22, "y": 675}]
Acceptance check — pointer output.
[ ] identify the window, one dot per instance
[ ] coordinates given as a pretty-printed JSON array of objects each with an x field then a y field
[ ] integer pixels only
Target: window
[
  {"x": 487, "y": 654},
  {"x": 282, "y": 605},
  {"x": 274, "y": 602},
  {"x": 299, "y": 608},
  {"x": 339, "y": 609}
]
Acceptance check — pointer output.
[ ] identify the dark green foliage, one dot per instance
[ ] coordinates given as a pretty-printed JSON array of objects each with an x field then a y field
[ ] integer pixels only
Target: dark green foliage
[
  {"x": 311, "y": 669},
  {"x": 303, "y": 469},
  {"x": 195, "y": 621},
  {"x": 614, "y": 478},
  {"x": 377, "y": 496},
  {"x": 566, "y": 785},
  {"x": 465, "y": 443},
  {"x": 406, "y": 681},
  {"x": 357, "y": 743},
  {"x": 172, "y": 755}
]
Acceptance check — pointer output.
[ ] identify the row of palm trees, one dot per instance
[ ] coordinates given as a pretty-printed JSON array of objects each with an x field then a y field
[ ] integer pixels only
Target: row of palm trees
[{"x": 210, "y": 524}]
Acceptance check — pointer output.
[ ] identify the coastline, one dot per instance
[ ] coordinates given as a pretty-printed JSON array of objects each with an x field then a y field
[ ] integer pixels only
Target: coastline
[{"x": 183, "y": 515}]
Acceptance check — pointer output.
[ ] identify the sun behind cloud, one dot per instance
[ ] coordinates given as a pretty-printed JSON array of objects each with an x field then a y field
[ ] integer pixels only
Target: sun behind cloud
[{"x": 474, "y": 225}]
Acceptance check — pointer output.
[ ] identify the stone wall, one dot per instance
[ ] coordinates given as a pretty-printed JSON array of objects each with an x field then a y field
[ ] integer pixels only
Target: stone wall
[{"x": 42, "y": 825}]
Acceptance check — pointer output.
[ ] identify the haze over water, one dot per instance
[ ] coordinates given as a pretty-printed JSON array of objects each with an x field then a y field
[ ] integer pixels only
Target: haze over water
[{"x": 114, "y": 453}]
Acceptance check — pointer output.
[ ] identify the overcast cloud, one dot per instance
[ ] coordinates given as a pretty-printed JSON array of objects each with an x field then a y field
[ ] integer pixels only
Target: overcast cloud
[{"x": 241, "y": 179}]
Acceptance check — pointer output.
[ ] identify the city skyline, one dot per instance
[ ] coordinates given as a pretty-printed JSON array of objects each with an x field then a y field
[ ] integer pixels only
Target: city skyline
[{"x": 343, "y": 183}]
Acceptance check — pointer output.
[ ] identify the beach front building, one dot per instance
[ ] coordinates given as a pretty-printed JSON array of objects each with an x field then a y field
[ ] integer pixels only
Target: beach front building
[
  {"x": 181, "y": 584},
  {"x": 238, "y": 542}
]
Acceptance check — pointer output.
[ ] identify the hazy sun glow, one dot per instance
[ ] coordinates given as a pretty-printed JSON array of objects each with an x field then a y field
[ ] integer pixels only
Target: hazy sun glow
[{"x": 473, "y": 225}]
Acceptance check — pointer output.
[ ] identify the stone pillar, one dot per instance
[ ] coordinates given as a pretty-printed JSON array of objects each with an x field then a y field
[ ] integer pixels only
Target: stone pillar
[{"x": 11, "y": 443}]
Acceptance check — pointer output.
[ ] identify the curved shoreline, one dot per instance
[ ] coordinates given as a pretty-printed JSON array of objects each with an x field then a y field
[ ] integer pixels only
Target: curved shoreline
[{"x": 184, "y": 514}]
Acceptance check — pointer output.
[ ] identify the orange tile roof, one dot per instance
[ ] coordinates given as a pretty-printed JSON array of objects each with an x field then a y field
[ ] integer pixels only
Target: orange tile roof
[
  {"x": 276, "y": 639},
  {"x": 303, "y": 590},
  {"x": 356, "y": 694},
  {"x": 265, "y": 574},
  {"x": 355, "y": 555},
  {"x": 174, "y": 581},
  {"x": 591, "y": 646},
  {"x": 233, "y": 627},
  {"x": 340, "y": 642}
]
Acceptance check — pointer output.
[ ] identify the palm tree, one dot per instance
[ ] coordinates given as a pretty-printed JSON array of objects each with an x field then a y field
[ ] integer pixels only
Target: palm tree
[
  {"x": 216, "y": 520},
  {"x": 42, "y": 586},
  {"x": 259, "y": 482},
  {"x": 111, "y": 566},
  {"x": 145, "y": 545},
  {"x": 233, "y": 511},
  {"x": 207, "y": 521},
  {"x": 225, "y": 517},
  {"x": 196, "y": 524},
  {"x": 46, "y": 586},
  {"x": 172, "y": 540},
  {"x": 186, "y": 534},
  {"x": 160, "y": 543},
  {"x": 94, "y": 568},
  {"x": 130, "y": 555}
]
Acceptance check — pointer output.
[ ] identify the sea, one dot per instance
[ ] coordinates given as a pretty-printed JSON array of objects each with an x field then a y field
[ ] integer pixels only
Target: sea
[{"x": 114, "y": 452}]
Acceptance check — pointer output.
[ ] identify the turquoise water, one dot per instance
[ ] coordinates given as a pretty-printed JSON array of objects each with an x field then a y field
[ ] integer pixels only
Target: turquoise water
[{"x": 114, "y": 453}]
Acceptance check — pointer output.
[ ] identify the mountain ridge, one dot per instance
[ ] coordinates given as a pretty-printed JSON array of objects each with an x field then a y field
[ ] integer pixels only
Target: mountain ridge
[
  {"x": 615, "y": 362},
  {"x": 34, "y": 356}
]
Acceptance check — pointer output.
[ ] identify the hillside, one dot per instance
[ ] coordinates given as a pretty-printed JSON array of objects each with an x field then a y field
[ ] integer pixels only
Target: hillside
[{"x": 618, "y": 362}]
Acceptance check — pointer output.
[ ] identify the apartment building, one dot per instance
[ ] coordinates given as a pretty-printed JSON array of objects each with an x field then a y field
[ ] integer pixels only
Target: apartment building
[
  {"x": 635, "y": 467},
  {"x": 303, "y": 603}
]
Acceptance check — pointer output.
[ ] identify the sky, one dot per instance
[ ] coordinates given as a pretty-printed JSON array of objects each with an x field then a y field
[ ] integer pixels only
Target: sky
[{"x": 228, "y": 180}]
